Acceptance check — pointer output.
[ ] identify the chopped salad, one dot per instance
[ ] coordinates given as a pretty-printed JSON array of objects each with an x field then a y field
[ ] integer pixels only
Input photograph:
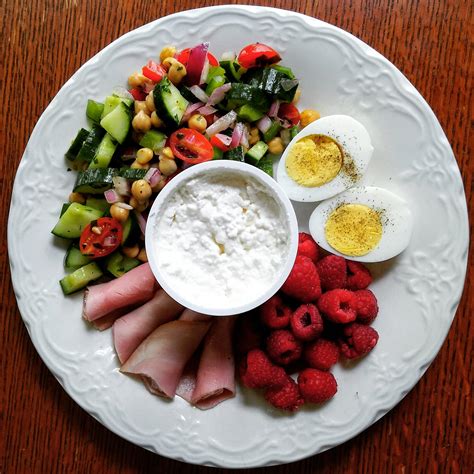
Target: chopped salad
[{"x": 187, "y": 108}]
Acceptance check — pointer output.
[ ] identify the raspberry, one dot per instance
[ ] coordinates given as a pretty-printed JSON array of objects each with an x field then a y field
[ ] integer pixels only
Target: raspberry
[
  {"x": 358, "y": 340},
  {"x": 307, "y": 246},
  {"x": 306, "y": 322},
  {"x": 332, "y": 272},
  {"x": 256, "y": 371},
  {"x": 358, "y": 276},
  {"x": 338, "y": 306},
  {"x": 317, "y": 386},
  {"x": 322, "y": 354},
  {"x": 282, "y": 347},
  {"x": 303, "y": 281},
  {"x": 274, "y": 313},
  {"x": 366, "y": 306},
  {"x": 286, "y": 397}
]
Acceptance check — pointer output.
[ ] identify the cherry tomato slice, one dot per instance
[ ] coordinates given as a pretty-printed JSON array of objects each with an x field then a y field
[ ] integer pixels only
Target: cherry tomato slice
[
  {"x": 191, "y": 146},
  {"x": 154, "y": 71},
  {"x": 183, "y": 57},
  {"x": 289, "y": 112},
  {"x": 217, "y": 143},
  {"x": 257, "y": 55},
  {"x": 101, "y": 237}
]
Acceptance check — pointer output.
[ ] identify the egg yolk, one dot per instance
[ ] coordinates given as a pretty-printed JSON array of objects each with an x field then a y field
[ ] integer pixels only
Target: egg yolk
[
  {"x": 353, "y": 229},
  {"x": 314, "y": 160}
]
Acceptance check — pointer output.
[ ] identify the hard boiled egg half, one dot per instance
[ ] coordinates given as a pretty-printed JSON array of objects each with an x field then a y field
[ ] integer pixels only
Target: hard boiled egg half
[
  {"x": 327, "y": 157},
  {"x": 365, "y": 224}
]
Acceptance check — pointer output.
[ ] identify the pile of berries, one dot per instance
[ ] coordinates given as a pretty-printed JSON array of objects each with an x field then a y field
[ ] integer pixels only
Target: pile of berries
[{"x": 322, "y": 312}]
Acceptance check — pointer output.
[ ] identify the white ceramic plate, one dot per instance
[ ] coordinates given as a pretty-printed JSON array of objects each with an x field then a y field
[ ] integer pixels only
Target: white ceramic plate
[{"x": 418, "y": 292}]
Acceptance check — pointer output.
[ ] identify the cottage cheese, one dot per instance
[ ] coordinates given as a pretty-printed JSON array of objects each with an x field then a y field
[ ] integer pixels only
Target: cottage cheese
[{"x": 222, "y": 239}]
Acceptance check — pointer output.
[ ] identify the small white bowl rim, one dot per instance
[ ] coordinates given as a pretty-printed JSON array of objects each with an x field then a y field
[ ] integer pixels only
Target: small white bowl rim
[{"x": 244, "y": 169}]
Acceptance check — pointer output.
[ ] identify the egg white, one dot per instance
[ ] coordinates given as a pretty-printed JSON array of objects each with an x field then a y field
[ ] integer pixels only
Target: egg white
[
  {"x": 396, "y": 217},
  {"x": 354, "y": 140}
]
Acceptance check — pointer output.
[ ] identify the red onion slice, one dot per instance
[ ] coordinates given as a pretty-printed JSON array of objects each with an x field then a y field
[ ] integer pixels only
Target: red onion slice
[
  {"x": 120, "y": 91},
  {"x": 228, "y": 56},
  {"x": 288, "y": 84},
  {"x": 244, "y": 140},
  {"x": 197, "y": 58},
  {"x": 273, "y": 112},
  {"x": 237, "y": 134},
  {"x": 207, "y": 110},
  {"x": 141, "y": 221},
  {"x": 264, "y": 124},
  {"x": 222, "y": 123},
  {"x": 190, "y": 110},
  {"x": 205, "y": 72},
  {"x": 225, "y": 139},
  {"x": 111, "y": 196},
  {"x": 199, "y": 93},
  {"x": 124, "y": 205},
  {"x": 121, "y": 186},
  {"x": 285, "y": 123},
  {"x": 218, "y": 94},
  {"x": 150, "y": 174}
]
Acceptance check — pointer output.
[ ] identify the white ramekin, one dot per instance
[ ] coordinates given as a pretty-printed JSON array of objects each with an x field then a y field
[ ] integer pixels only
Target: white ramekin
[{"x": 274, "y": 190}]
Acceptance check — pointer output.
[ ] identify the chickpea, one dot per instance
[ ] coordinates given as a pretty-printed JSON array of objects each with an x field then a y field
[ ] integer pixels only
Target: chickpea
[
  {"x": 131, "y": 252},
  {"x": 144, "y": 155},
  {"x": 138, "y": 166},
  {"x": 119, "y": 213},
  {"x": 275, "y": 146},
  {"x": 159, "y": 186},
  {"x": 167, "y": 167},
  {"x": 77, "y": 197},
  {"x": 156, "y": 121},
  {"x": 168, "y": 62},
  {"x": 297, "y": 96},
  {"x": 167, "y": 52},
  {"x": 150, "y": 102},
  {"x": 167, "y": 152},
  {"x": 141, "y": 190},
  {"x": 142, "y": 256},
  {"x": 140, "y": 106},
  {"x": 197, "y": 122},
  {"x": 176, "y": 72},
  {"x": 308, "y": 116},
  {"x": 139, "y": 206},
  {"x": 141, "y": 122},
  {"x": 137, "y": 79},
  {"x": 254, "y": 136}
]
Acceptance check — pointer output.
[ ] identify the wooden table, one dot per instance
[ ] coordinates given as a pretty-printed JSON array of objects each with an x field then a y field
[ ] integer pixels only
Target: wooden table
[{"x": 42, "y": 44}]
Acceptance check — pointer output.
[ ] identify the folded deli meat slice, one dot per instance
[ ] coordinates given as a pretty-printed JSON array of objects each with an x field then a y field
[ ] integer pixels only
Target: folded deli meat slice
[
  {"x": 136, "y": 286},
  {"x": 107, "y": 321},
  {"x": 215, "y": 380},
  {"x": 160, "y": 359},
  {"x": 130, "y": 330}
]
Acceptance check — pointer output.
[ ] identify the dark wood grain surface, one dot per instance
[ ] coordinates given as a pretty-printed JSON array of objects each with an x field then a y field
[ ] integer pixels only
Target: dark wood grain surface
[{"x": 42, "y": 43}]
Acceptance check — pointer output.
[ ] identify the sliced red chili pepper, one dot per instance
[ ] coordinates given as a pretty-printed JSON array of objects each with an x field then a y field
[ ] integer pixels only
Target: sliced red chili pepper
[{"x": 138, "y": 94}]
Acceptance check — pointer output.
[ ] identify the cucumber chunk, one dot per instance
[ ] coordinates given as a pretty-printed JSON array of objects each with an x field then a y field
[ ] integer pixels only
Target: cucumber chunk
[
  {"x": 74, "y": 258},
  {"x": 76, "y": 144},
  {"x": 80, "y": 278},
  {"x": 117, "y": 122},
  {"x": 74, "y": 219},
  {"x": 104, "y": 153},
  {"x": 249, "y": 113},
  {"x": 94, "y": 181},
  {"x": 218, "y": 153},
  {"x": 233, "y": 69},
  {"x": 170, "y": 104},
  {"x": 154, "y": 140},
  {"x": 99, "y": 204},
  {"x": 94, "y": 110},
  {"x": 117, "y": 264},
  {"x": 236, "y": 154},
  {"x": 256, "y": 153},
  {"x": 91, "y": 144},
  {"x": 132, "y": 173},
  {"x": 272, "y": 132},
  {"x": 266, "y": 164},
  {"x": 112, "y": 101},
  {"x": 241, "y": 94},
  {"x": 214, "y": 83}
]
